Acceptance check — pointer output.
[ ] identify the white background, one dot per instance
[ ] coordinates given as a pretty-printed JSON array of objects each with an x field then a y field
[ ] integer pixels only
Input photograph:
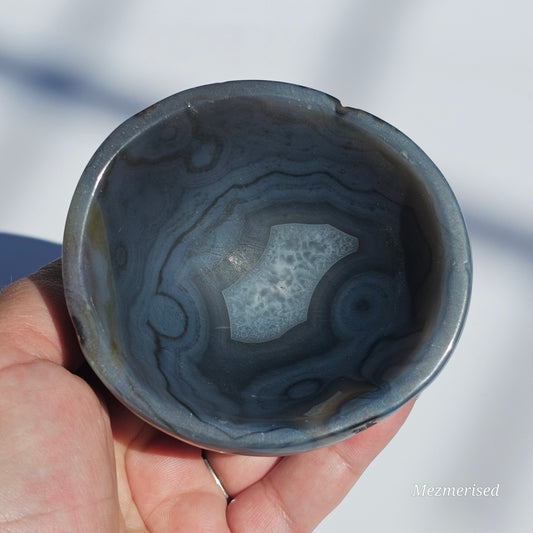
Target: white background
[{"x": 455, "y": 75}]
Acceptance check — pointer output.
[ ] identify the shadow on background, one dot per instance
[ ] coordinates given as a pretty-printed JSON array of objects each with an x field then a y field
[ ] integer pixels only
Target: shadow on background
[
  {"x": 511, "y": 239},
  {"x": 20, "y": 256},
  {"x": 53, "y": 80}
]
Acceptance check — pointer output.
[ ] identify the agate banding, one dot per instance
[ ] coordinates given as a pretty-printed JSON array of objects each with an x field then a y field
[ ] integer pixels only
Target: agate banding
[{"x": 254, "y": 268}]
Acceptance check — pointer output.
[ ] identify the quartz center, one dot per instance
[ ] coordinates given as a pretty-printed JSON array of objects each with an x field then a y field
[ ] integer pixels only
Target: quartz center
[{"x": 274, "y": 295}]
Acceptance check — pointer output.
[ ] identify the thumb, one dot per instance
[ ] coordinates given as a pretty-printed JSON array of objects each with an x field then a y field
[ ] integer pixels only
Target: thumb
[{"x": 34, "y": 321}]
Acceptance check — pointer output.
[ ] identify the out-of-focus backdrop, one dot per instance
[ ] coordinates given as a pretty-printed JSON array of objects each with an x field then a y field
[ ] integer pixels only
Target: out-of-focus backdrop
[{"x": 456, "y": 76}]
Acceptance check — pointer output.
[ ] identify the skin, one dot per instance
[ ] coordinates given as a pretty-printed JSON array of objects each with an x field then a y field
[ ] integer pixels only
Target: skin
[{"x": 73, "y": 459}]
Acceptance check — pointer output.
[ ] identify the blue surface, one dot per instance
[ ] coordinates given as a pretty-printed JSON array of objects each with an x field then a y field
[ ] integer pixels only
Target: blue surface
[{"x": 21, "y": 256}]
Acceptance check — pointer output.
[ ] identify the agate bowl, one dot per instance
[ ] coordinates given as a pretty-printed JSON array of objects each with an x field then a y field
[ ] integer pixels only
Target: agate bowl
[{"x": 254, "y": 268}]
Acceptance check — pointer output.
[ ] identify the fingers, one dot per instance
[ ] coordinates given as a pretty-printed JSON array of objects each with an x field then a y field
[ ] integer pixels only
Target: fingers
[
  {"x": 302, "y": 489},
  {"x": 171, "y": 486},
  {"x": 34, "y": 322}
]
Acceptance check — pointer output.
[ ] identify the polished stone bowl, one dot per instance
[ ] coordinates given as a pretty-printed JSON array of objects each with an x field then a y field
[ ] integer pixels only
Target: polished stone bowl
[{"x": 254, "y": 268}]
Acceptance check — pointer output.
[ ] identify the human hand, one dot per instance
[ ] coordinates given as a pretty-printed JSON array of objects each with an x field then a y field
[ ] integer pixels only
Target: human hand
[{"x": 72, "y": 459}]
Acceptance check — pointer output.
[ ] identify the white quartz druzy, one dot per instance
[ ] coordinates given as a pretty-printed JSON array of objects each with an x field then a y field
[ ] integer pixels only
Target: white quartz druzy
[{"x": 274, "y": 295}]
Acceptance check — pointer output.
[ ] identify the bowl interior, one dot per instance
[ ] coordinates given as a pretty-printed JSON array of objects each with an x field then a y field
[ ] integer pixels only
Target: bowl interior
[{"x": 259, "y": 272}]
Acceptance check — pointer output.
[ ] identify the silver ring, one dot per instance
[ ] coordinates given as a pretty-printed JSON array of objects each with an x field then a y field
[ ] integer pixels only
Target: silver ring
[{"x": 215, "y": 477}]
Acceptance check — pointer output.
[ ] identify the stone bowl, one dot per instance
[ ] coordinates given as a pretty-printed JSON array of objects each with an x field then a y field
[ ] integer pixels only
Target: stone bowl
[{"x": 254, "y": 268}]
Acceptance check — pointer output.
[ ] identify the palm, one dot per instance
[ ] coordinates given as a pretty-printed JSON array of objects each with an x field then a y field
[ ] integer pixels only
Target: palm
[{"x": 74, "y": 459}]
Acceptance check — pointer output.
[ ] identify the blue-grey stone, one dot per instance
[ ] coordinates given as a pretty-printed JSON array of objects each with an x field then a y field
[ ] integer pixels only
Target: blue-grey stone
[{"x": 254, "y": 268}]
